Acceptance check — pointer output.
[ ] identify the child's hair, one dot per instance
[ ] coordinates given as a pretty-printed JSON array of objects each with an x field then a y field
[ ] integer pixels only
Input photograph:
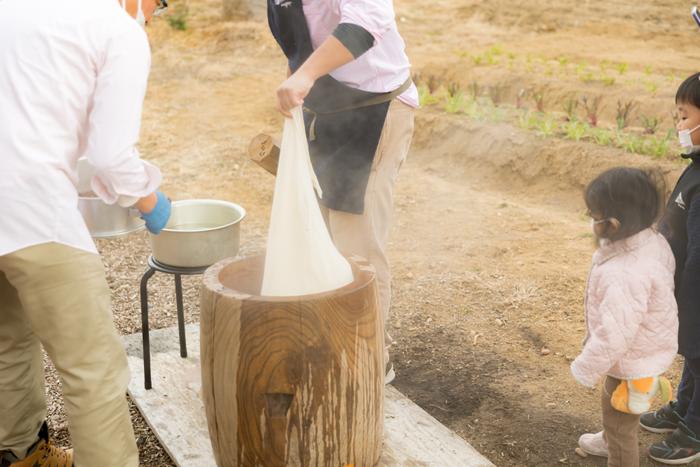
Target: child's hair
[
  {"x": 689, "y": 91},
  {"x": 632, "y": 196}
]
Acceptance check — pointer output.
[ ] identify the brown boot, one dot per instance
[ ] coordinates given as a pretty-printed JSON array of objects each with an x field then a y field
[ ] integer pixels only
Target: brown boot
[
  {"x": 42, "y": 454},
  {"x": 46, "y": 455}
]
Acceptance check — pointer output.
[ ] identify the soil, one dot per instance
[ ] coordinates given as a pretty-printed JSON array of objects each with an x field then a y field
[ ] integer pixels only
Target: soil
[
  {"x": 88, "y": 194},
  {"x": 489, "y": 246}
]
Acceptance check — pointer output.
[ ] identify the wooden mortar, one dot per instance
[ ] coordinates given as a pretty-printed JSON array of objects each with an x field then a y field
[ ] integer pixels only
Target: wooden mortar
[{"x": 291, "y": 381}]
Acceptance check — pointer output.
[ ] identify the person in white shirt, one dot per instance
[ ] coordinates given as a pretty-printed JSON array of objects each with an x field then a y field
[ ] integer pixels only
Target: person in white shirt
[
  {"x": 347, "y": 67},
  {"x": 73, "y": 77}
]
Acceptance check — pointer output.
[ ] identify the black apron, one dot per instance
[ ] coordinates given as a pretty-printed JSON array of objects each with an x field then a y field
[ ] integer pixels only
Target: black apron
[{"x": 345, "y": 142}]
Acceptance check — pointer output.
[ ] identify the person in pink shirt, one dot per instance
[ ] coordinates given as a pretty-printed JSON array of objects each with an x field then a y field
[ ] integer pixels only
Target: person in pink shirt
[
  {"x": 630, "y": 308},
  {"x": 347, "y": 67},
  {"x": 73, "y": 76}
]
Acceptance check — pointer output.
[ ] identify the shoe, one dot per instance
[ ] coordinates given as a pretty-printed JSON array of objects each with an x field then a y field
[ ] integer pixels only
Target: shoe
[
  {"x": 682, "y": 447},
  {"x": 594, "y": 444},
  {"x": 664, "y": 420},
  {"x": 43, "y": 454},
  {"x": 389, "y": 373}
]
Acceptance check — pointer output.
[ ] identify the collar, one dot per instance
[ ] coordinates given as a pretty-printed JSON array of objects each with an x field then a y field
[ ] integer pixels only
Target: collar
[
  {"x": 695, "y": 157},
  {"x": 610, "y": 250}
]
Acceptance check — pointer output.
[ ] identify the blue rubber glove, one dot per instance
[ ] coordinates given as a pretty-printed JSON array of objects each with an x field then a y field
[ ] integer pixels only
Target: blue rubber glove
[{"x": 156, "y": 219}]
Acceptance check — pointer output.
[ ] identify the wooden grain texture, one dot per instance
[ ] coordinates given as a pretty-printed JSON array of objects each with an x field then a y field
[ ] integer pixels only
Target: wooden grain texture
[
  {"x": 292, "y": 381},
  {"x": 175, "y": 411},
  {"x": 264, "y": 150}
]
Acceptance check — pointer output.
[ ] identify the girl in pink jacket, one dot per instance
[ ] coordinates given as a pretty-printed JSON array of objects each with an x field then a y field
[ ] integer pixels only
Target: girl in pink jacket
[{"x": 631, "y": 313}]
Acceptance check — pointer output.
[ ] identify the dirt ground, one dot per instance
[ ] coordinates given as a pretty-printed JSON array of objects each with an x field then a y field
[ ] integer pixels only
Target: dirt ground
[{"x": 489, "y": 245}]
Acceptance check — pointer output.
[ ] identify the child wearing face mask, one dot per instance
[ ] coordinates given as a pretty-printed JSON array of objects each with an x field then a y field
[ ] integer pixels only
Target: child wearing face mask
[
  {"x": 631, "y": 314},
  {"x": 681, "y": 225}
]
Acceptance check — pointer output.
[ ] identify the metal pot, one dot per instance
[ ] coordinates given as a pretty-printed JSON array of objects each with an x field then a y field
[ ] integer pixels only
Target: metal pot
[
  {"x": 200, "y": 232},
  {"x": 104, "y": 220}
]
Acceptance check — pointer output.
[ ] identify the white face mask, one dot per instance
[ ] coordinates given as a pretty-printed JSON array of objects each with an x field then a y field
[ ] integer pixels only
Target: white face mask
[
  {"x": 140, "y": 17},
  {"x": 687, "y": 142}
]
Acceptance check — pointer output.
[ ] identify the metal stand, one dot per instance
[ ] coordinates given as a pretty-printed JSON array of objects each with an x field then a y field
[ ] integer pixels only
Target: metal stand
[{"x": 154, "y": 266}]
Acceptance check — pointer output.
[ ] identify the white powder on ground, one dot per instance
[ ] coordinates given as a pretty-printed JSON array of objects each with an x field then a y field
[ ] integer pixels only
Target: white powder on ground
[{"x": 301, "y": 258}]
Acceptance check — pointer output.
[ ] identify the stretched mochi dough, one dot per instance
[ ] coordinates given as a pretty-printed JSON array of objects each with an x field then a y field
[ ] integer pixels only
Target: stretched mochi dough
[{"x": 301, "y": 258}]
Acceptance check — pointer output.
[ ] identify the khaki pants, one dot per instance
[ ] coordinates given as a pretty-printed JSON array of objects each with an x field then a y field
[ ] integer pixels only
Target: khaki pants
[
  {"x": 366, "y": 235},
  {"x": 57, "y": 297},
  {"x": 619, "y": 429}
]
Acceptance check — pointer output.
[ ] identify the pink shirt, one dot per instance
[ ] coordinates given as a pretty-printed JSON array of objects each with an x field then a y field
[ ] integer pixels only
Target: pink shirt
[
  {"x": 384, "y": 67},
  {"x": 73, "y": 77}
]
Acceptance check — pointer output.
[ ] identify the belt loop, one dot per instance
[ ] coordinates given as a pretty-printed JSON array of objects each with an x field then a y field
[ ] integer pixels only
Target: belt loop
[{"x": 312, "y": 133}]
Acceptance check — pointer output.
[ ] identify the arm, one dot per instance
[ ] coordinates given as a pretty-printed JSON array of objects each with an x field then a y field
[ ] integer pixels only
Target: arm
[
  {"x": 332, "y": 54},
  {"x": 115, "y": 120},
  {"x": 363, "y": 23},
  {"x": 620, "y": 313},
  {"x": 688, "y": 293}
]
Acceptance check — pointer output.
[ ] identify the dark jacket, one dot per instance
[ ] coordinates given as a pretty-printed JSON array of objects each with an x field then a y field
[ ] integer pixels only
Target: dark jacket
[{"x": 681, "y": 225}]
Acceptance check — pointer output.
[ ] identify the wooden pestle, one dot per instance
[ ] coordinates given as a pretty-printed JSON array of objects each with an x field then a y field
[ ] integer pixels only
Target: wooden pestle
[{"x": 264, "y": 150}]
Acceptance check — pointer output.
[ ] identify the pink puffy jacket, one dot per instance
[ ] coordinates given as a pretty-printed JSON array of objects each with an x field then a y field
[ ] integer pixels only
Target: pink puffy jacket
[{"x": 631, "y": 313}]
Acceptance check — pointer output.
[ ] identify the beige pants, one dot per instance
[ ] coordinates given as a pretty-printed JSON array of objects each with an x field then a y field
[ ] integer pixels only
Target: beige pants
[
  {"x": 366, "y": 235},
  {"x": 57, "y": 296},
  {"x": 619, "y": 429}
]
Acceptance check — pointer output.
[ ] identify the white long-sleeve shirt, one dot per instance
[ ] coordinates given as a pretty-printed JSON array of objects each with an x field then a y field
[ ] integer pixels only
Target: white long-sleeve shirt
[
  {"x": 73, "y": 77},
  {"x": 384, "y": 67}
]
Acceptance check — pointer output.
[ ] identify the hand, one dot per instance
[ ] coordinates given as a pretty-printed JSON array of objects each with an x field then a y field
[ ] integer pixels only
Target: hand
[
  {"x": 159, "y": 215},
  {"x": 292, "y": 92}
]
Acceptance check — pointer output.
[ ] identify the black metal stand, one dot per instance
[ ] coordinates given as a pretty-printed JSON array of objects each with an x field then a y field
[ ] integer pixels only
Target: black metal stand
[{"x": 154, "y": 266}]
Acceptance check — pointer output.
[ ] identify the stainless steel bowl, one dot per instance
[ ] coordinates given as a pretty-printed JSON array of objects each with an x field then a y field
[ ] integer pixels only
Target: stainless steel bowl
[
  {"x": 104, "y": 220},
  {"x": 200, "y": 232}
]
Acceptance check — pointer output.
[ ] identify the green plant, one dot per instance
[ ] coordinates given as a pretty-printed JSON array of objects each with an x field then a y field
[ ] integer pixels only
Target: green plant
[
  {"x": 608, "y": 80},
  {"x": 434, "y": 83},
  {"x": 512, "y": 55},
  {"x": 177, "y": 22},
  {"x": 528, "y": 69},
  {"x": 454, "y": 89},
  {"x": 581, "y": 67},
  {"x": 621, "y": 67},
  {"x": 628, "y": 84},
  {"x": 475, "y": 90},
  {"x": 548, "y": 70},
  {"x": 563, "y": 60},
  {"x": 461, "y": 53},
  {"x": 570, "y": 105},
  {"x": 453, "y": 103},
  {"x": 425, "y": 97},
  {"x": 546, "y": 127},
  {"x": 510, "y": 65},
  {"x": 675, "y": 117},
  {"x": 659, "y": 147},
  {"x": 492, "y": 59},
  {"x": 603, "y": 137},
  {"x": 539, "y": 100},
  {"x": 604, "y": 65},
  {"x": 519, "y": 101},
  {"x": 592, "y": 111},
  {"x": 476, "y": 59},
  {"x": 495, "y": 93},
  {"x": 525, "y": 119},
  {"x": 670, "y": 77},
  {"x": 631, "y": 143},
  {"x": 497, "y": 49},
  {"x": 528, "y": 58},
  {"x": 650, "y": 125},
  {"x": 471, "y": 109},
  {"x": 586, "y": 77},
  {"x": 651, "y": 87},
  {"x": 575, "y": 130},
  {"x": 684, "y": 76},
  {"x": 418, "y": 79},
  {"x": 623, "y": 115},
  {"x": 496, "y": 114},
  {"x": 648, "y": 71}
]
